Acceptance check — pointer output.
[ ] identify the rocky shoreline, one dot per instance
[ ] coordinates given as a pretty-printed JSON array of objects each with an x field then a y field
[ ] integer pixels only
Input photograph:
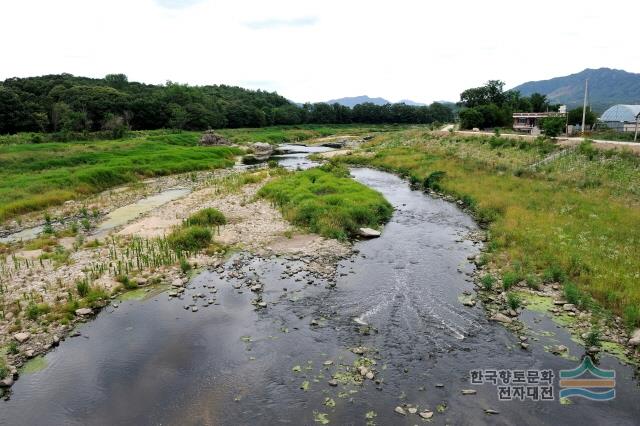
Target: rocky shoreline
[{"x": 254, "y": 227}]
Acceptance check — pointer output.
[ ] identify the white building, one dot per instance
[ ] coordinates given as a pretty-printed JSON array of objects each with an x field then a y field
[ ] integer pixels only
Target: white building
[{"x": 623, "y": 118}]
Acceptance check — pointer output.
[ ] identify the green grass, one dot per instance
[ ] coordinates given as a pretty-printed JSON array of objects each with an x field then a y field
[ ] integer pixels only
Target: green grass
[
  {"x": 189, "y": 238},
  {"x": 35, "y": 176},
  {"x": 326, "y": 202},
  {"x": 544, "y": 221},
  {"x": 207, "y": 217}
]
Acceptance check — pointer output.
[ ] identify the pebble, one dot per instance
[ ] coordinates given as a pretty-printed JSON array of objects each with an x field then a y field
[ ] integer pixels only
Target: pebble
[
  {"x": 469, "y": 391},
  {"x": 333, "y": 382},
  {"x": 194, "y": 309},
  {"x": 22, "y": 337},
  {"x": 400, "y": 411},
  {"x": 426, "y": 414}
]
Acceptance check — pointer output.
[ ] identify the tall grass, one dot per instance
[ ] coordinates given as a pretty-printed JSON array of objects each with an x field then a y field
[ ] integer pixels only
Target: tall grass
[
  {"x": 326, "y": 202},
  {"x": 34, "y": 177}
]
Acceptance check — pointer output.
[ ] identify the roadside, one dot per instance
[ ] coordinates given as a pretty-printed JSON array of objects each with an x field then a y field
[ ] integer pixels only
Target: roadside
[{"x": 565, "y": 141}]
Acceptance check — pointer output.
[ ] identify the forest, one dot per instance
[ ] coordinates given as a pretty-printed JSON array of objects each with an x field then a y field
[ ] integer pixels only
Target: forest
[{"x": 67, "y": 105}]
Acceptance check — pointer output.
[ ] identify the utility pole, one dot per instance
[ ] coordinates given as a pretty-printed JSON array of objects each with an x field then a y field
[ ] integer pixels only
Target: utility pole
[
  {"x": 584, "y": 105},
  {"x": 635, "y": 137}
]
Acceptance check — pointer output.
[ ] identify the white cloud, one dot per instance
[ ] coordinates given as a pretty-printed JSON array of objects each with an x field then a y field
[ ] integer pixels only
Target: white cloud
[{"x": 317, "y": 50}]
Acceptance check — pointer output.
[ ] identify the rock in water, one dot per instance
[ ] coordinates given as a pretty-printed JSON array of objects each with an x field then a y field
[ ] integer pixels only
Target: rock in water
[
  {"x": 426, "y": 414},
  {"x": 468, "y": 391},
  {"x": 400, "y": 411},
  {"x": 84, "y": 311},
  {"x": 501, "y": 318},
  {"x": 368, "y": 233},
  {"x": 22, "y": 337}
]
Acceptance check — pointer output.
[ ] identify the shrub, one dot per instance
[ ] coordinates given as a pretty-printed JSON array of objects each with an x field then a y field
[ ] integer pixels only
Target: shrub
[
  {"x": 631, "y": 316},
  {"x": 433, "y": 180},
  {"x": 189, "y": 238},
  {"x": 571, "y": 293},
  {"x": 207, "y": 217},
  {"x": 83, "y": 288},
  {"x": 32, "y": 311},
  {"x": 509, "y": 279},
  {"x": 593, "y": 338},
  {"x": 4, "y": 371},
  {"x": 126, "y": 282},
  {"x": 532, "y": 282},
  {"x": 487, "y": 282},
  {"x": 513, "y": 300},
  {"x": 554, "y": 274},
  {"x": 12, "y": 348},
  {"x": 185, "y": 266}
]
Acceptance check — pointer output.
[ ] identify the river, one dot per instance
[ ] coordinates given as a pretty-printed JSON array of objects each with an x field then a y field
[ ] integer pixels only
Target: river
[{"x": 153, "y": 362}]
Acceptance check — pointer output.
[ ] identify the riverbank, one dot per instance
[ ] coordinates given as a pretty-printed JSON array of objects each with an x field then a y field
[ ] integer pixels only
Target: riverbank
[
  {"x": 48, "y": 290},
  {"x": 570, "y": 223}
]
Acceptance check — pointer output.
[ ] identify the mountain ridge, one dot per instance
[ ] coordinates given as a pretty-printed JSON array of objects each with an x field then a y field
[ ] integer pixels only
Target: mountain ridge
[{"x": 607, "y": 87}]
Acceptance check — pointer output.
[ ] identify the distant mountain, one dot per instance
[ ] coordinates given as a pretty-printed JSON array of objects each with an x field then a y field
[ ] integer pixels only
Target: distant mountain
[
  {"x": 606, "y": 87},
  {"x": 355, "y": 100},
  {"x": 410, "y": 102}
]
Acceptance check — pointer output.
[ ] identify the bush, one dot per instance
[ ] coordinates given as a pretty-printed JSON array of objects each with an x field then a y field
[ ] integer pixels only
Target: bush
[
  {"x": 554, "y": 273},
  {"x": 487, "y": 282},
  {"x": 126, "y": 282},
  {"x": 593, "y": 338},
  {"x": 83, "y": 288},
  {"x": 185, "y": 266},
  {"x": 4, "y": 371},
  {"x": 631, "y": 316},
  {"x": 572, "y": 293},
  {"x": 433, "y": 180},
  {"x": 12, "y": 348},
  {"x": 513, "y": 300},
  {"x": 190, "y": 239},
  {"x": 509, "y": 279},
  {"x": 207, "y": 217}
]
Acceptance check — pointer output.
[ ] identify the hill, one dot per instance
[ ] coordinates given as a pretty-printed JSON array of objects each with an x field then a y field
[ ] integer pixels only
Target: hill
[
  {"x": 352, "y": 101},
  {"x": 606, "y": 87}
]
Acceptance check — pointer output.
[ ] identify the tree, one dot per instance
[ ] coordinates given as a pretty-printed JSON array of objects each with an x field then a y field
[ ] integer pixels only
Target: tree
[
  {"x": 471, "y": 118},
  {"x": 575, "y": 117},
  {"x": 539, "y": 102},
  {"x": 490, "y": 93},
  {"x": 552, "y": 126},
  {"x": 177, "y": 117},
  {"x": 117, "y": 81},
  {"x": 116, "y": 125}
]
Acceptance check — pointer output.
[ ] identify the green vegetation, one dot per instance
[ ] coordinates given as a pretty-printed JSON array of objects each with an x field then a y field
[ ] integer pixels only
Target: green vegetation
[
  {"x": 4, "y": 371},
  {"x": 190, "y": 238},
  {"x": 71, "y": 106},
  {"x": 487, "y": 282},
  {"x": 207, "y": 217},
  {"x": 33, "y": 177},
  {"x": 513, "y": 300},
  {"x": 547, "y": 221},
  {"x": 490, "y": 106},
  {"x": 327, "y": 202}
]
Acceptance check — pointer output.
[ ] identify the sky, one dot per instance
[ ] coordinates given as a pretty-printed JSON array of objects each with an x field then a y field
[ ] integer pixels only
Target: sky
[{"x": 309, "y": 50}]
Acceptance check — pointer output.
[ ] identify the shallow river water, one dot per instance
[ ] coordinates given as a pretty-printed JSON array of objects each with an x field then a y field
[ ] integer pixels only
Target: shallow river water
[{"x": 153, "y": 362}]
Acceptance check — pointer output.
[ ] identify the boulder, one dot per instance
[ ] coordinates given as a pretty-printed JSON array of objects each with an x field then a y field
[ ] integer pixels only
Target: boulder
[
  {"x": 84, "y": 312},
  {"x": 501, "y": 318},
  {"x": 368, "y": 233},
  {"x": 22, "y": 337},
  {"x": 635, "y": 338},
  {"x": 7, "y": 382},
  {"x": 210, "y": 137}
]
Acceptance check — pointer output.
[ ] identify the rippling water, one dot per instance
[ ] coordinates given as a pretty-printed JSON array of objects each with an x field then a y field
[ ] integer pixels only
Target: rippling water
[{"x": 153, "y": 362}]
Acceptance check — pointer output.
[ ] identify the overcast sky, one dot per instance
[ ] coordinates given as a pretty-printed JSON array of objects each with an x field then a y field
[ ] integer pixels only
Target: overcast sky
[{"x": 310, "y": 50}]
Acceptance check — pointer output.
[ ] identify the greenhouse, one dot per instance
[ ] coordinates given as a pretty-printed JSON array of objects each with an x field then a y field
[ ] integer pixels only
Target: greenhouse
[{"x": 622, "y": 118}]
